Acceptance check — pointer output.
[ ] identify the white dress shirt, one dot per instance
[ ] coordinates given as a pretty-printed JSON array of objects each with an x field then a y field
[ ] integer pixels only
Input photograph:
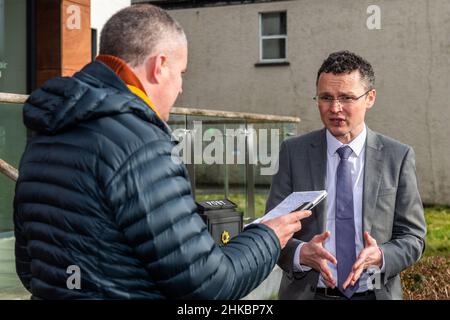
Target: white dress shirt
[{"x": 356, "y": 159}]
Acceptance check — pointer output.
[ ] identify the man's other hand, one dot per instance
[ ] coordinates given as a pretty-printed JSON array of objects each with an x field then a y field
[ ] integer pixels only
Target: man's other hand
[
  {"x": 370, "y": 256},
  {"x": 286, "y": 225},
  {"x": 314, "y": 255}
]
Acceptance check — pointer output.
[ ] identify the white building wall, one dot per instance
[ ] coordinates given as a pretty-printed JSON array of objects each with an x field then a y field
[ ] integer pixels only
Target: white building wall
[{"x": 102, "y": 10}]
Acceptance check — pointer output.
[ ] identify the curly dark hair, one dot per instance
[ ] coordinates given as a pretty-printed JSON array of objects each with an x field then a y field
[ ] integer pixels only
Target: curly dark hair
[{"x": 347, "y": 62}]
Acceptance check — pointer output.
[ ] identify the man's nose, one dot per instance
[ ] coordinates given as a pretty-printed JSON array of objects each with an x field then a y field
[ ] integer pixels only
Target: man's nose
[{"x": 335, "y": 106}]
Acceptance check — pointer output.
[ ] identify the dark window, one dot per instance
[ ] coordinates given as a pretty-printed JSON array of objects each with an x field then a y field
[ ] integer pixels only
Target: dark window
[{"x": 273, "y": 36}]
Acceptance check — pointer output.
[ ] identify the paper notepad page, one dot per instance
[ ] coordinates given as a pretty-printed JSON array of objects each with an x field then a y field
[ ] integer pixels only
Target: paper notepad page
[{"x": 292, "y": 202}]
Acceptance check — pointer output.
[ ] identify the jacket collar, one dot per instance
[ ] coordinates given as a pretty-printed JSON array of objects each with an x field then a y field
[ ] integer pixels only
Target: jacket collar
[
  {"x": 99, "y": 71},
  {"x": 124, "y": 72}
]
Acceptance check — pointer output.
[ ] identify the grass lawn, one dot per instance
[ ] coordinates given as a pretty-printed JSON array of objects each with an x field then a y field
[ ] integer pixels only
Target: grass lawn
[
  {"x": 429, "y": 279},
  {"x": 438, "y": 237}
]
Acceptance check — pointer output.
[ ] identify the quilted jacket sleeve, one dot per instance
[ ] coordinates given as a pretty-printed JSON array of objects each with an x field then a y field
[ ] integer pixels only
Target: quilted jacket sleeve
[{"x": 150, "y": 197}]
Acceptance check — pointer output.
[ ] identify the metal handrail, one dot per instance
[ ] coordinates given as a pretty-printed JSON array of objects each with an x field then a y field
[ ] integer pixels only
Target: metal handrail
[
  {"x": 5, "y": 168},
  {"x": 8, "y": 170},
  {"x": 12, "y": 98},
  {"x": 251, "y": 117}
]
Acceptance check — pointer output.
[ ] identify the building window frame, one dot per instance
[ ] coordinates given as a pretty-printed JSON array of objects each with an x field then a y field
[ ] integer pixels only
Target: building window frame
[{"x": 270, "y": 37}]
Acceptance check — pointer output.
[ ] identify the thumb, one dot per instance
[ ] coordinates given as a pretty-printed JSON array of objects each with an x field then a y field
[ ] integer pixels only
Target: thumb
[
  {"x": 369, "y": 240},
  {"x": 321, "y": 237},
  {"x": 299, "y": 215}
]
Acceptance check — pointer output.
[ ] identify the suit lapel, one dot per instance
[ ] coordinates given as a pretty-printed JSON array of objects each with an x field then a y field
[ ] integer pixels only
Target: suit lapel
[
  {"x": 317, "y": 164},
  {"x": 372, "y": 178}
]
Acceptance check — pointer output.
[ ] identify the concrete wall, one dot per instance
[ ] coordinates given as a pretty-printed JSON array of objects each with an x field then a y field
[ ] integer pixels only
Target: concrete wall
[
  {"x": 102, "y": 10},
  {"x": 410, "y": 55}
]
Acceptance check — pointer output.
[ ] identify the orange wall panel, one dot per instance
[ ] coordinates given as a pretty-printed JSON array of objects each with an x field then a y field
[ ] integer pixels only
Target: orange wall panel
[
  {"x": 76, "y": 35},
  {"x": 63, "y": 37}
]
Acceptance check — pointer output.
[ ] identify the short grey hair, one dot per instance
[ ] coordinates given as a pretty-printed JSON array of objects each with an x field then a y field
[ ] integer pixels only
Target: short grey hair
[{"x": 135, "y": 32}]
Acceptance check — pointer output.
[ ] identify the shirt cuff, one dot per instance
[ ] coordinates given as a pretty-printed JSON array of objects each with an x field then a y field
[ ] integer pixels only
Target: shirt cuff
[
  {"x": 298, "y": 267},
  {"x": 383, "y": 266}
]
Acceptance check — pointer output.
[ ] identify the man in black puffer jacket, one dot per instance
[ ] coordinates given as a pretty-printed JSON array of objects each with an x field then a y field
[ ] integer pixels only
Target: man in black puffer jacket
[{"x": 99, "y": 194}]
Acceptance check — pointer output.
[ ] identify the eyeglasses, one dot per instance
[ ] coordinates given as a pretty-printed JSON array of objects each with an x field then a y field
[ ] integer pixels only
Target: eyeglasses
[{"x": 343, "y": 100}]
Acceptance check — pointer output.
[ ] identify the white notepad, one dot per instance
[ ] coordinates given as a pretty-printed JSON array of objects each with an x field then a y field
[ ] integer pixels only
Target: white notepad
[{"x": 305, "y": 200}]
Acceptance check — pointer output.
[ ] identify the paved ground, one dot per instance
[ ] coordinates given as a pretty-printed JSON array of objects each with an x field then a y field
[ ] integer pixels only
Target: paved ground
[
  {"x": 268, "y": 289},
  {"x": 10, "y": 285}
]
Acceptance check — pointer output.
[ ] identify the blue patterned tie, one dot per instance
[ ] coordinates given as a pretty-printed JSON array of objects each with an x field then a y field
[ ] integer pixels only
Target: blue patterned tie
[{"x": 345, "y": 222}]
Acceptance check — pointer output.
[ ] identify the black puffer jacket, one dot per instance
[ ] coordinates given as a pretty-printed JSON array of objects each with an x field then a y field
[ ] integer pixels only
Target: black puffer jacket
[{"x": 98, "y": 189}]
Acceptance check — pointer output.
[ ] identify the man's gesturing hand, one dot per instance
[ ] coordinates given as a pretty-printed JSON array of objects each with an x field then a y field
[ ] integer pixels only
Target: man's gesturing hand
[
  {"x": 286, "y": 225},
  {"x": 369, "y": 256},
  {"x": 314, "y": 255}
]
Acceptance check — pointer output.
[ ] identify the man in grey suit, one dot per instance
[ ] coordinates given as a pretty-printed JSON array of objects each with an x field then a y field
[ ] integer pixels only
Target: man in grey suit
[{"x": 371, "y": 226}]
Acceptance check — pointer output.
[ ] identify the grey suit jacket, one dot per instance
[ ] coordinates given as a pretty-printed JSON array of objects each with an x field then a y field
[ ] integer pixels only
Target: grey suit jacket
[{"x": 392, "y": 208}]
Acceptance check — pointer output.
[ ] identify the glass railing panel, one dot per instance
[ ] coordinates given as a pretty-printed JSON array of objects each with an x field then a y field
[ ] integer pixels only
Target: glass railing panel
[
  {"x": 218, "y": 155},
  {"x": 12, "y": 145}
]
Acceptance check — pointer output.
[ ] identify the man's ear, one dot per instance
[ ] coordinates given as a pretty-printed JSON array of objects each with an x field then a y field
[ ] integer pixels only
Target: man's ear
[
  {"x": 155, "y": 68},
  {"x": 371, "y": 97}
]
